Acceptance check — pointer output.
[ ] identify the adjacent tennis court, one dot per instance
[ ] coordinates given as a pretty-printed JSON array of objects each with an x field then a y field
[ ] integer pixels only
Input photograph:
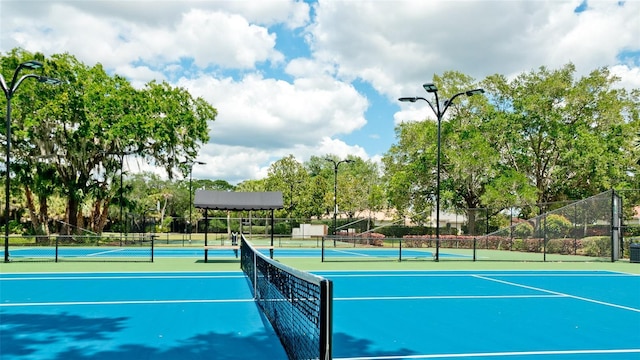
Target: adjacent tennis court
[
  {"x": 377, "y": 315},
  {"x": 105, "y": 252}
]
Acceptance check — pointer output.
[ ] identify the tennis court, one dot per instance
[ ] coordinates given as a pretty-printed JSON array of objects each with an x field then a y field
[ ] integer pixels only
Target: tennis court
[
  {"x": 104, "y": 252},
  {"x": 377, "y": 315},
  {"x": 209, "y": 315}
]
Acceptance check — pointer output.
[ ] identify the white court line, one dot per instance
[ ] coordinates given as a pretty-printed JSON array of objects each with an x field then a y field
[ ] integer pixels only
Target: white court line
[
  {"x": 559, "y": 293},
  {"x": 125, "y": 302},
  {"x": 350, "y": 252},
  {"x": 105, "y": 252},
  {"x": 123, "y": 277},
  {"x": 495, "y": 354},
  {"x": 472, "y": 274},
  {"x": 449, "y": 297}
]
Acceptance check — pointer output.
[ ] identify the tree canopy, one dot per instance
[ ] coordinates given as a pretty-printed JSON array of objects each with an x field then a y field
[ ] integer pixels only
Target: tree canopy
[
  {"x": 543, "y": 136},
  {"x": 70, "y": 139}
]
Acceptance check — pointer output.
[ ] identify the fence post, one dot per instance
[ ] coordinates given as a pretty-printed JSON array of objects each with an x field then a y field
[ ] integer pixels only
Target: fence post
[
  {"x": 475, "y": 241},
  {"x": 544, "y": 239}
]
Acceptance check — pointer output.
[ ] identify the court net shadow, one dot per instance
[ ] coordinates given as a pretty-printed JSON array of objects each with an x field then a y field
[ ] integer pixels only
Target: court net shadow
[
  {"x": 65, "y": 336},
  {"x": 347, "y": 346}
]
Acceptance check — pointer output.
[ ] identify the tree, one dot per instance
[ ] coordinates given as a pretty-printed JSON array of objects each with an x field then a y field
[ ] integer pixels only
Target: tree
[
  {"x": 409, "y": 170},
  {"x": 362, "y": 187},
  {"x": 314, "y": 203},
  {"x": 565, "y": 135},
  {"x": 540, "y": 137},
  {"x": 469, "y": 158},
  {"x": 288, "y": 176},
  {"x": 87, "y": 124}
]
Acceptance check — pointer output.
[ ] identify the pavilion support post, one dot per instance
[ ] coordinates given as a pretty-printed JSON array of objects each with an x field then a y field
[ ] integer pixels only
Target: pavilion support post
[
  {"x": 206, "y": 233},
  {"x": 272, "y": 231}
]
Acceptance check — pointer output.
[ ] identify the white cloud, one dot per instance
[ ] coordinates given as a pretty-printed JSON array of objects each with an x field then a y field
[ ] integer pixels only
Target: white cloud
[
  {"x": 339, "y": 148},
  {"x": 411, "y": 113},
  {"x": 139, "y": 75},
  {"x": 228, "y": 51},
  {"x": 217, "y": 38},
  {"x": 264, "y": 120},
  {"x": 274, "y": 114},
  {"x": 211, "y": 38},
  {"x": 293, "y": 13},
  {"x": 396, "y": 44},
  {"x": 630, "y": 77}
]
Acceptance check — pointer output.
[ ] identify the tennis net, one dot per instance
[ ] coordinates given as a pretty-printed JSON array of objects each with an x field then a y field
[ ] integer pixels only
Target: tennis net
[{"x": 297, "y": 304}]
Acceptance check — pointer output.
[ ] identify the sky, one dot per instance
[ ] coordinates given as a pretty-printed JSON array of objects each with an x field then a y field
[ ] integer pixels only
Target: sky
[{"x": 312, "y": 78}]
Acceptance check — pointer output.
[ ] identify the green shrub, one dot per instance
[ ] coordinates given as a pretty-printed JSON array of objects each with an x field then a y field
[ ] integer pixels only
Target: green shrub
[
  {"x": 523, "y": 230},
  {"x": 15, "y": 227},
  {"x": 282, "y": 228},
  {"x": 598, "y": 246},
  {"x": 518, "y": 245},
  {"x": 557, "y": 226},
  {"x": 220, "y": 226},
  {"x": 533, "y": 245},
  {"x": 560, "y": 246}
]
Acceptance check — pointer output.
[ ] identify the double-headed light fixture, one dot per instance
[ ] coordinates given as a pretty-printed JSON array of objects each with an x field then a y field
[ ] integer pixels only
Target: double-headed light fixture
[
  {"x": 439, "y": 112},
  {"x": 336, "y": 164},
  {"x": 9, "y": 90}
]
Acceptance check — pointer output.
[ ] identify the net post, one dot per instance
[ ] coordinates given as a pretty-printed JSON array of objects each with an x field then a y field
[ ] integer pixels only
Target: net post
[
  {"x": 255, "y": 276},
  {"x": 614, "y": 228},
  {"x": 400, "y": 246},
  {"x": 326, "y": 313},
  {"x": 544, "y": 240},
  {"x": 322, "y": 251},
  {"x": 57, "y": 244},
  {"x": 152, "y": 248}
]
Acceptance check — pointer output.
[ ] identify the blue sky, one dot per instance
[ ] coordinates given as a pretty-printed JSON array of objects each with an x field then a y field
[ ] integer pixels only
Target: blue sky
[{"x": 320, "y": 77}]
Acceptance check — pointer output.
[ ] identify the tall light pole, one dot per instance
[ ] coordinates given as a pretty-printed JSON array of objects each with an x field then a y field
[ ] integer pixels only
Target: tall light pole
[
  {"x": 190, "y": 164},
  {"x": 9, "y": 90},
  {"x": 336, "y": 164},
  {"x": 439, "y": 112},
  {"x": 122, "y": 224}
]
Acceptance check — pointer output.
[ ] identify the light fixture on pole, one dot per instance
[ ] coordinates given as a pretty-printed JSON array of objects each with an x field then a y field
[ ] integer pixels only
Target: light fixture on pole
[
  {"x": 190, "y": 165},
  {"x": 336, "y": 164},
  {"x": 431, "y": 88},
  {"x": 9, "y": 90}
]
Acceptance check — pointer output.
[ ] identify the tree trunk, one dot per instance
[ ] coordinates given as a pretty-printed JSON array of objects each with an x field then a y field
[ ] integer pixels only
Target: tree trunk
[
  {"x": 103, "y": 216},
  {"x": 32, "y": 208},
  {"x": 43, "y": 217},
  {"x": 39, "y": 219},
  {"x": 72, "y": 215}
]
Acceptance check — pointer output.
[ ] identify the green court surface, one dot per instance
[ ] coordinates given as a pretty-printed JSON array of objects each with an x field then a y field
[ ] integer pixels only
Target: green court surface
[{"x": 229, "y": 262}]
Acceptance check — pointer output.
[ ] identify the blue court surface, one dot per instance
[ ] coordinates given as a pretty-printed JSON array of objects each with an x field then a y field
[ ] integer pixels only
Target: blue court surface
[{"x": 377, "y": 315}]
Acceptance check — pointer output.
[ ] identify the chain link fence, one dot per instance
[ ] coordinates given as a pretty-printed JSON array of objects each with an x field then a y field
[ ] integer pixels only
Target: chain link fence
[{"x": 584, "y": 230}]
